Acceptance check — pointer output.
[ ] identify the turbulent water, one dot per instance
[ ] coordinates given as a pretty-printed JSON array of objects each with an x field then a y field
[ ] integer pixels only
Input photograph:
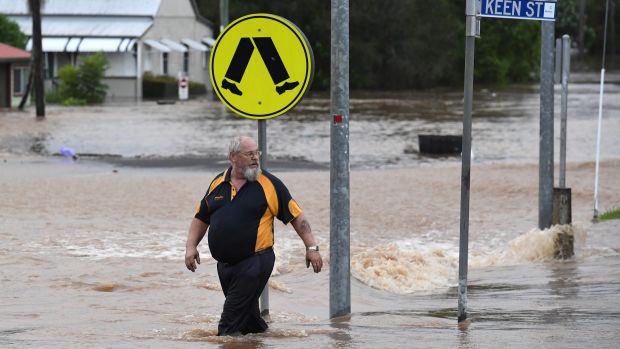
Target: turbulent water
[{"x": 92, "y": 251}]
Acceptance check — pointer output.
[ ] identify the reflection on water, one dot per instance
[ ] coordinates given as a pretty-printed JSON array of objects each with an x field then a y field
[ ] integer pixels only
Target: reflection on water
[{"x": 341, "y": 337}]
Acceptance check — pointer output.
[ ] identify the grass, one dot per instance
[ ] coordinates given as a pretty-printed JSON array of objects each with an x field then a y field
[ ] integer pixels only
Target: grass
[{"x": 611, "y": 214}]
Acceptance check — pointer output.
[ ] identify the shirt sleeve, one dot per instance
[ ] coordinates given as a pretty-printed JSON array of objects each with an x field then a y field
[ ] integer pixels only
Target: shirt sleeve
[
  {"x": 288, "y": 209},
  {"x": 202, "y": 211}
]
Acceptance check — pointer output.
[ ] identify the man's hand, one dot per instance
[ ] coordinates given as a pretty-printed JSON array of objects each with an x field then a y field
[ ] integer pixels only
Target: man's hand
[
  {"x": 191, "y": 258},
  {"x": 314, "y": 258}
]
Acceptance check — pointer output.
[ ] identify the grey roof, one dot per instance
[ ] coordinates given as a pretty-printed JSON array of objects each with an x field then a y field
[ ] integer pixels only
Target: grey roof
[
  {"x": 85, "y": 7},
  {"x": 100, "y": 26}
]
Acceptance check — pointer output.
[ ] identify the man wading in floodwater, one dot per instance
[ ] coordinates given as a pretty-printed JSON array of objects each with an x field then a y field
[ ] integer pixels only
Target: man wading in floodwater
[{"x": 238, "y": 209}]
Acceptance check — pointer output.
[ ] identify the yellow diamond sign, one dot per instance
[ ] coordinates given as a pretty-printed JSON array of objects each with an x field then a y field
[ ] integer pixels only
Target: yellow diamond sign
[{"x": 261, "y": 66}]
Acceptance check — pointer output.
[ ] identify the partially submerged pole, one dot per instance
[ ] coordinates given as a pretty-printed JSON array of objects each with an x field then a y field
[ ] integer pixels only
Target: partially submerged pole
[
  {"x": 470, "y": 37},
  {"x": 339, "y": 220},
  {"x": 262, "y": 145},
  {"x": 545, "y": 169},
  {"x": 562, "y": 209}
]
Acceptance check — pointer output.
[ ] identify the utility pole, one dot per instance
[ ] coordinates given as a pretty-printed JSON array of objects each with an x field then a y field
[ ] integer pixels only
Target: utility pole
[{"x": 37, "y": 55}]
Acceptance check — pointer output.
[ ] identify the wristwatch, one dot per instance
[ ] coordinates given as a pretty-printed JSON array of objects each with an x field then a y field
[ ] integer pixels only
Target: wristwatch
[{"x": 312, "y": 248}]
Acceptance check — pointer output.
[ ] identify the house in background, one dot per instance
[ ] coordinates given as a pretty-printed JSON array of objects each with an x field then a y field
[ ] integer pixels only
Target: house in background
[
  {"x": 161, "y": 37},
  {"x": 14, "y": 69}
]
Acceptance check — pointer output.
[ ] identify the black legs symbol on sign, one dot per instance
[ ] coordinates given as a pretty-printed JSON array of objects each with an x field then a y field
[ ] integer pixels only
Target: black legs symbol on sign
[{"x": 271, "y": 59}]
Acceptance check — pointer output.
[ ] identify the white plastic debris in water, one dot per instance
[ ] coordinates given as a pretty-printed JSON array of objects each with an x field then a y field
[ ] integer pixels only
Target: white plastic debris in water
[{"x": 67, "y": 152}]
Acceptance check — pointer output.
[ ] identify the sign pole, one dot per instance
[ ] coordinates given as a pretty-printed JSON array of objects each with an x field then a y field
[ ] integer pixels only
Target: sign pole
[
  {"x": 223, "y": 14},
  {"x": 564, "y": 106},
  {"x": 340, "y": 273},
  {"x": 262, "y": 145},
  {"x": 470, "y": 37},
  {"x": 545, "y": 167}
]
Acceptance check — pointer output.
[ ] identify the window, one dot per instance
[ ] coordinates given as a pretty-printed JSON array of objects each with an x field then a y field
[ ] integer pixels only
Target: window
[
  {"x": 49, "y": 65},
  {"x": 20, "y": 80},
  {"x": 186, "y": 61},
  {"x": 164, "y": 63}
]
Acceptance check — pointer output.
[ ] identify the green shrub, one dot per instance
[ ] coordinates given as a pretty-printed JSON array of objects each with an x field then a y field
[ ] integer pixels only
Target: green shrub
[
  {"x": 69, "y": 82},
  {"x": 163, "y": 86},
  {"x": 74, "y": 102},
  {"x": 53, "y": 96},
  {"x": 197, "y": 89},
  {"x": 83, "y": 84},
  {"x": 90, "y": 74}
]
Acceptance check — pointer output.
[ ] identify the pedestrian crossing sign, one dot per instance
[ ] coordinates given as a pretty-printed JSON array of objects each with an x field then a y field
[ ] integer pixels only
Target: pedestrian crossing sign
[{"x": 261, "y": 66}]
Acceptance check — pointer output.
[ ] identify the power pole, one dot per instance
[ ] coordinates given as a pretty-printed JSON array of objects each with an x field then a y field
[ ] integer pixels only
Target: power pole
[{"x": 37, "y": 55}]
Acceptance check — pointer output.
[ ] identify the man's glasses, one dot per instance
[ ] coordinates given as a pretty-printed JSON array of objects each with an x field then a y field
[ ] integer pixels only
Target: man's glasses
[{"x": 256, "y": 153}]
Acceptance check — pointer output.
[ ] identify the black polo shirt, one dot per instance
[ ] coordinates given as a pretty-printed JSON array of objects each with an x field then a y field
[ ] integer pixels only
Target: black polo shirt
[{"x": 241, "y": 223}]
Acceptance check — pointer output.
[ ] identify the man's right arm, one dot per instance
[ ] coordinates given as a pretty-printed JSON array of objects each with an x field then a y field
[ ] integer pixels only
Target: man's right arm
[{"x": 197, "y": 231}]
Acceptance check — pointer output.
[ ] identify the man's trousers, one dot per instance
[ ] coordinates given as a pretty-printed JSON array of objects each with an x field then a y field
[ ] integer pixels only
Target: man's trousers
[{"x": 243, "y": 283}]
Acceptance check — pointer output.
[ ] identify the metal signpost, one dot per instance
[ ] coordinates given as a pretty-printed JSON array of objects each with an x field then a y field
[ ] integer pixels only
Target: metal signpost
[
  {"x": 262, "y": 145},
  {"x": 545, "y": 167},
  {"x": 339, "y": 220},
  {"x": 518, "y": 9},
  {"x": 564, "y": 68},
  {"x": 471, "y": 29}
]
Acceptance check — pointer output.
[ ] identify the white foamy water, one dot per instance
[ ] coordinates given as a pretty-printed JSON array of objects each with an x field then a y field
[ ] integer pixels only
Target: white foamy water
[{"x": 408, "y": 266}]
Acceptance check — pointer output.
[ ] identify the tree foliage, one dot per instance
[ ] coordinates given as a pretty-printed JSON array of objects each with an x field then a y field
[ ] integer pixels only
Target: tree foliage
[
  {"x": 508, "y": 51},
  {"x": 403, "y": 44},
  {"x": 83, "y": 84},
  {"x": 11, "y": 34}
]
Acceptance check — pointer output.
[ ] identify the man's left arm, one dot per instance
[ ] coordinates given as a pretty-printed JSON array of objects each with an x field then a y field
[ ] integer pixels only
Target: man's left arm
[{"x": 302, "y": 227}]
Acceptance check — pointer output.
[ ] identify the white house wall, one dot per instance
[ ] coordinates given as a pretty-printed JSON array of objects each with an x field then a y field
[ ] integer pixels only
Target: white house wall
[
  {"x": 176, "y": 20},
  {"x": 121, "y": 65},
  {"x": 138, "y": 19}
]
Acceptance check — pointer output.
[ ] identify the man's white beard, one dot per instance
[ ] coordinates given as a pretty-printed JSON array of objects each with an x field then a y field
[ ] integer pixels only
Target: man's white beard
[{"x": 251, "y": 174}]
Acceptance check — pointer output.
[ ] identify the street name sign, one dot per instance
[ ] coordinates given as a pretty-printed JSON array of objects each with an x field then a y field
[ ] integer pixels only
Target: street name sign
[{"x": 519, "y": 9}]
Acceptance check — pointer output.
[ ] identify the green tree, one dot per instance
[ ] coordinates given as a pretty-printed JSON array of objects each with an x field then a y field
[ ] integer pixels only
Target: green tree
[
  {"x": 83, "y": 84},
  {"x": 508, "y": 51},
  {"x": 69, "y": 81},
  {"x": 90, "y": 74},
  {"x": 11, "y": 34},
  {"x": 403, "y": 44}
]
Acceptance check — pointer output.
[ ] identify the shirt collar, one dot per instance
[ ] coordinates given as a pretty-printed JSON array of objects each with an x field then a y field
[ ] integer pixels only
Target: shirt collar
[{"x": 227, "y": 174}]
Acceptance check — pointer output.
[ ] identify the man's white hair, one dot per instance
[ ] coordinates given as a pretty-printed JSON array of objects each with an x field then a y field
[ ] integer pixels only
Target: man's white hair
[{"x": 235, "y": 144}]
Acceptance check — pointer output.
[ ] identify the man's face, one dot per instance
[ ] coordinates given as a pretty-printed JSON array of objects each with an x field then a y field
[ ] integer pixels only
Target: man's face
[{"x": 247, "y": 160}]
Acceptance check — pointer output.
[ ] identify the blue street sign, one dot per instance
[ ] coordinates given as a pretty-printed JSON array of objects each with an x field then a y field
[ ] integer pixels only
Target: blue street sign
[{"x": 518, "y": 9}]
